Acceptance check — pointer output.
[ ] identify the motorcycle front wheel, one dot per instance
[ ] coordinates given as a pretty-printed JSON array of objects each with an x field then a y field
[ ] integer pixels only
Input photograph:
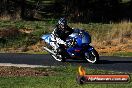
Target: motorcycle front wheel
[{"x": 92, "y": 56}]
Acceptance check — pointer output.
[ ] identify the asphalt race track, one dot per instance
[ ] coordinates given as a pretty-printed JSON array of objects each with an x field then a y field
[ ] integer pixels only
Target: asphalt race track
[{"x": 121, "y": 64}]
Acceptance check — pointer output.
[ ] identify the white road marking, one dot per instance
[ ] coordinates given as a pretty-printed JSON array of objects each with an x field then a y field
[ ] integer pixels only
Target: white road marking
[{"x": 23, "y": 65}]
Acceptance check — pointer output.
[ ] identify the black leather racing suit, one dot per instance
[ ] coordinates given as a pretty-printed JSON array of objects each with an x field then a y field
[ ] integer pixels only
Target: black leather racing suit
[
  {"x": 63, "y": 34},
  {"x": 58, "y": 38}
]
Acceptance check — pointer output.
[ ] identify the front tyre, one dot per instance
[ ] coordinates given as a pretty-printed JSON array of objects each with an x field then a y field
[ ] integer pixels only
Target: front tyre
[{"x": 92, "y": 56}]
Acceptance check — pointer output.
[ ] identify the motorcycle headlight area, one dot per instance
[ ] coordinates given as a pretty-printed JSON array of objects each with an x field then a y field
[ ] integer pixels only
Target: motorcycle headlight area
[{"x": 71, "y": 42}]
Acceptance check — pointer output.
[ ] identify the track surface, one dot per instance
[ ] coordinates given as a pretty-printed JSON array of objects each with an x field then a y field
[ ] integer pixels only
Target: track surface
[{"x": 121, "y": 64}]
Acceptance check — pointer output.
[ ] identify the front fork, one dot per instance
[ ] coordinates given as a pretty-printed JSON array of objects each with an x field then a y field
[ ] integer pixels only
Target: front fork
[
  {"x": 90, "y": 48},
  {"x": 87, "y": 50}
]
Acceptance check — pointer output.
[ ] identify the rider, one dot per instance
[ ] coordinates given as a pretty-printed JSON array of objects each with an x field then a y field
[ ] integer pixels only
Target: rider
[{"x": 60, "y": 33}]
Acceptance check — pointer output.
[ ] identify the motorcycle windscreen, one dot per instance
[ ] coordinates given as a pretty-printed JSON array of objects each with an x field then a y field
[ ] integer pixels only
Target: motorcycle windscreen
[
  {"x": 77, "y": 38},
  {"x": 47, "y": 38},
  {"x": 86, "y": 38}
]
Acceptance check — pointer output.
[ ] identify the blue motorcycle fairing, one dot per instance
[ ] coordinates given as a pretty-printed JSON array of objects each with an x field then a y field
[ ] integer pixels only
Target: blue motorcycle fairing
[
  {"x": 47, "y": 38},
  {"x": 81, "y": 37},
  {"x": 74, "y": 51}
]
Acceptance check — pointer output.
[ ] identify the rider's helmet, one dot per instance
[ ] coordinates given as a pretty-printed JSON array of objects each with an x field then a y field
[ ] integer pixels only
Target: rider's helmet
[{"x": 62, "y": 23}]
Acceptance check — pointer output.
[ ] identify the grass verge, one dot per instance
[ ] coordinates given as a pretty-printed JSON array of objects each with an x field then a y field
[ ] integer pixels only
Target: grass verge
[
  {"x": 65, "y": 78},
  {"x": 127, "y": 54}
]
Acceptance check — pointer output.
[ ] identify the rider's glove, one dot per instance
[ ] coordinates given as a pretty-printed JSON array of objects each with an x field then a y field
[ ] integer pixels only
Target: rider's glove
[
  {"x": 61, "y": 42},
  {"x": 58, "y": 40}
]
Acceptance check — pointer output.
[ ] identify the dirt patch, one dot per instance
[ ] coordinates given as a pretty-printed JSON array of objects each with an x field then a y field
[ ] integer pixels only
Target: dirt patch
[
  {"x": 26, "y": 30},
  {"x": 9, "y": 32},
  {"x": 38, "y": 47},
  {"x": 13, "y": 32},
  {"x": 109, "y": 47},
  {"x": 21, "y": 72}
]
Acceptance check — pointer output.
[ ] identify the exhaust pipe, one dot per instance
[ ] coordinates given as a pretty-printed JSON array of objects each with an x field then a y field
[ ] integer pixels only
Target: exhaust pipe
[{"x": 49, "y": 50}]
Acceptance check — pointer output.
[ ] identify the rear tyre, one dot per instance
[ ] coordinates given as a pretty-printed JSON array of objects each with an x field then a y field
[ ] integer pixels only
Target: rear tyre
[{"x": 92, "y": 56}]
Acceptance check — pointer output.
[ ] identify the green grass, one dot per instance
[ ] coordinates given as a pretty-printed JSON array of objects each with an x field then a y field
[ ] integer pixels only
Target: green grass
[
  {"x": 66, "y": 78},
  {"x": 129, "y": 54},
  {"x": 39, "y": 28},
  {"x": 52, "y": 82},
  {"x": 42, "y": 27},
  {"x": 31, "y": 52},
  {"x": 100, "y": 33}
]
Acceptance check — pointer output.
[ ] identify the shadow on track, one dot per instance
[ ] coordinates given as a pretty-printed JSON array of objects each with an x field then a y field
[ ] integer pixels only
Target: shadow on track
[
  {"x": 99, "y": 62},
  {"x": 77, "y": 61},
  {"x": 112, "y": 62}
]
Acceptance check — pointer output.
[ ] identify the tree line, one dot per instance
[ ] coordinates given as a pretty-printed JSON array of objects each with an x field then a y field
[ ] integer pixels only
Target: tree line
[{"x": 76, "y": 10}]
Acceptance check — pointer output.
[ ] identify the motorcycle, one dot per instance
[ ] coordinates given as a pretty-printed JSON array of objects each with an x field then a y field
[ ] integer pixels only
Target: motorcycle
[{"x": 77, "y": 47}]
